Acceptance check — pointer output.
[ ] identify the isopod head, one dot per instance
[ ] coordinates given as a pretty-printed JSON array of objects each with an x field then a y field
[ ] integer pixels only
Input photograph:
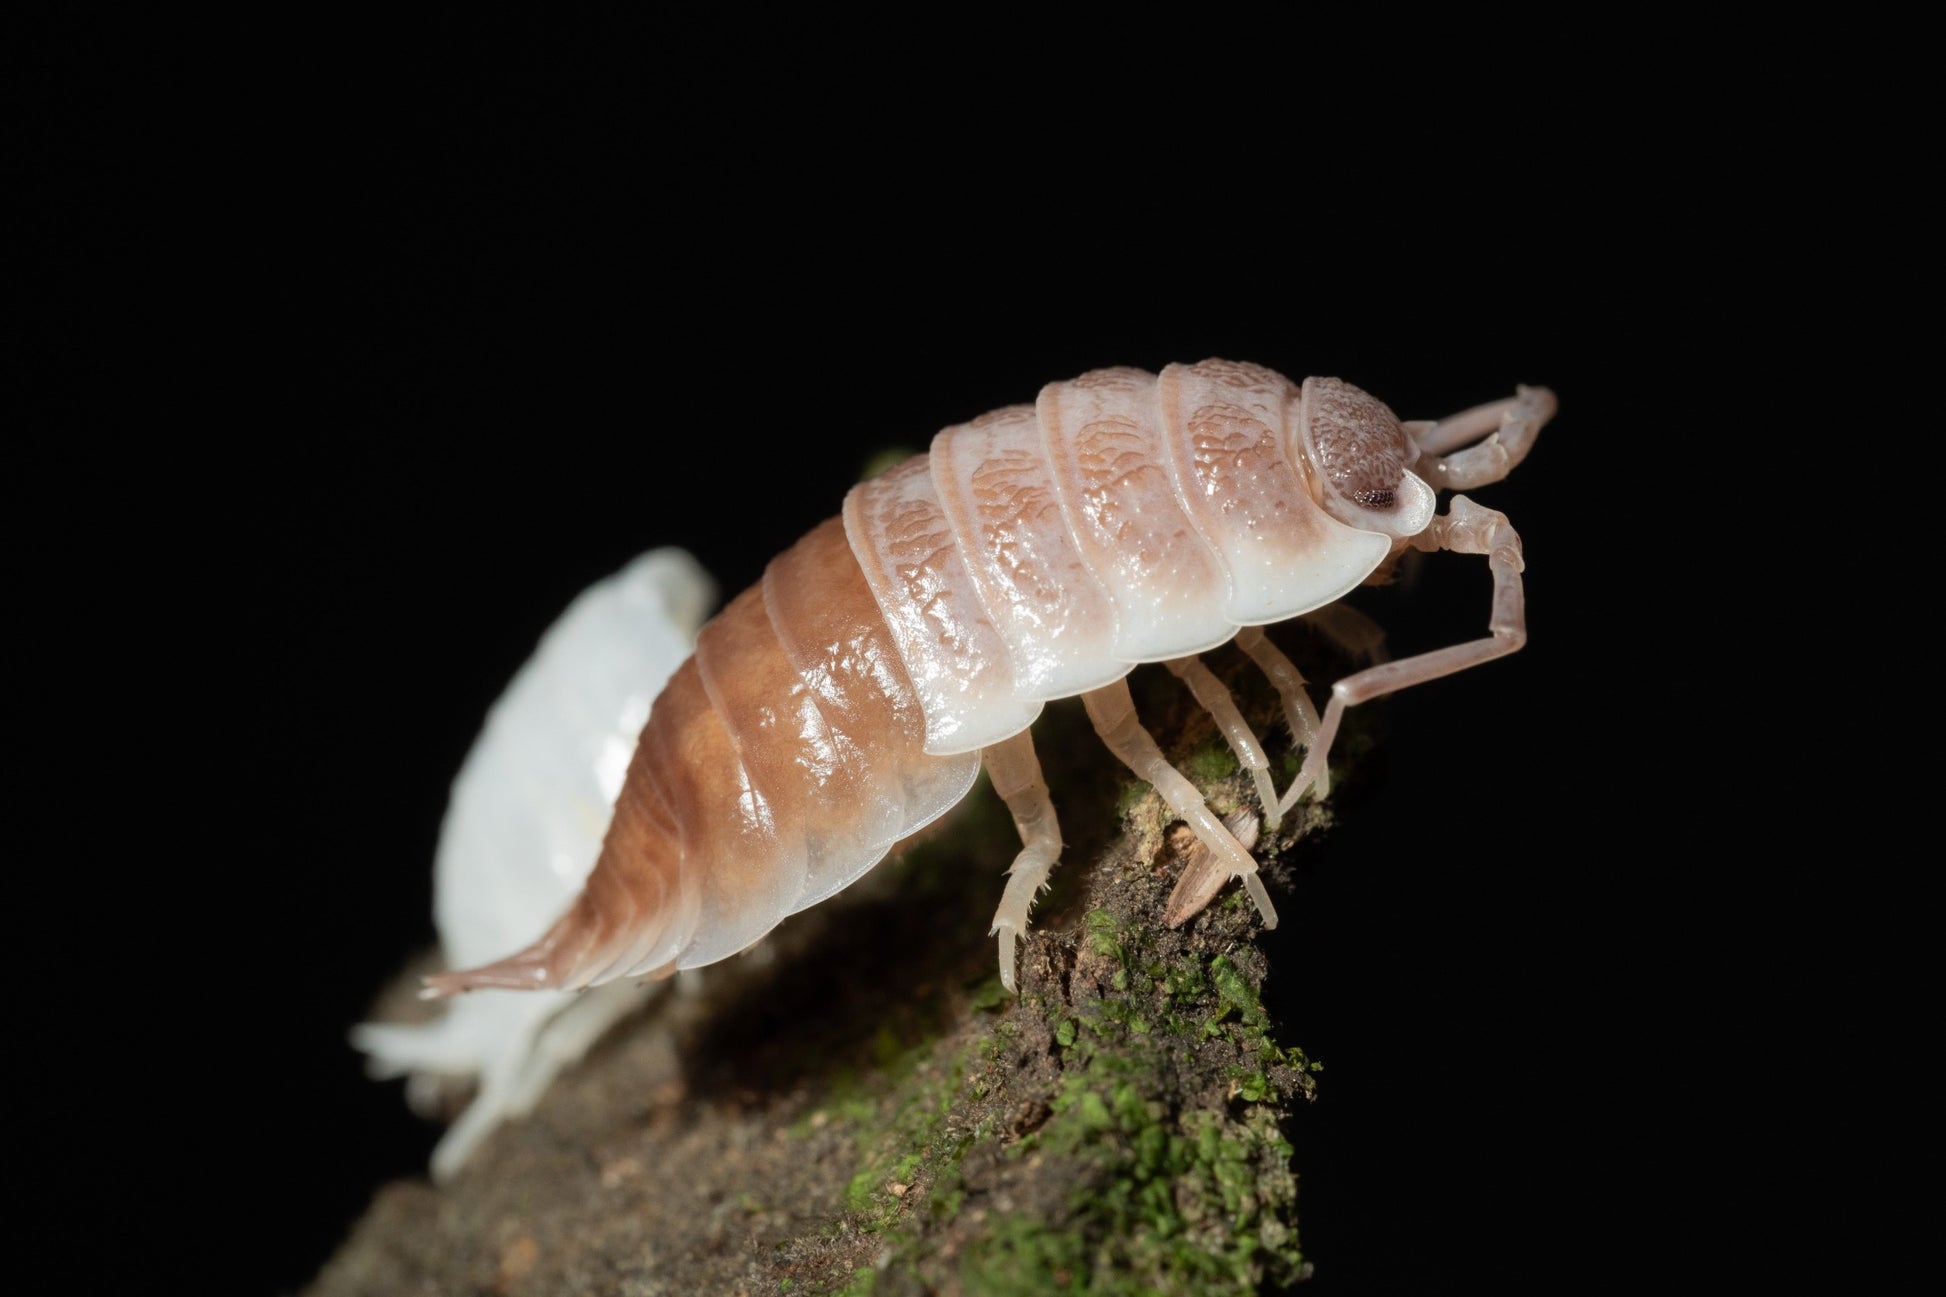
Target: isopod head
[{"x": 1361, "y": 459}]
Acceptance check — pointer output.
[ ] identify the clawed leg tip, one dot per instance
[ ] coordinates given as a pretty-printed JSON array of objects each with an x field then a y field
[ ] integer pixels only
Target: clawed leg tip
[
  {"x": 1007, "y": 939},
  {"x": 1259, "y": 897}
]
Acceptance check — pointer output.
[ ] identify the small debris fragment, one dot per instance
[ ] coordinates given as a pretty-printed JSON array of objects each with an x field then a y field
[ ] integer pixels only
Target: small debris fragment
[
  {"x": 621, "y": 1169},
  {"x": 516, "y": 1259}
]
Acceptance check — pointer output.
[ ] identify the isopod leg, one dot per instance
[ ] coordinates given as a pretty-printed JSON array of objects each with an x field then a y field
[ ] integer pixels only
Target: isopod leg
[
  {"x": 1298, "y": 709},
  {"x": 1016, "y": 775},
  {"x": 1354, "y": 634},
  {"x": 1203, "y": 875},
  {"x": 1216, "y": 700},
  {"x": 1465, "y": 529},
  {"x": 1113, "y": 713}
]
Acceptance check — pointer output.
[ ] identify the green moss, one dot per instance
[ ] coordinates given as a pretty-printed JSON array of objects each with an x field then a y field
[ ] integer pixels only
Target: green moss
[
  {"x": 1021, "y": 1255},
  {"x": 1129, "y": 1122},
  {"x": 1200, "y": 1204},
  {"x": 1281, "y": 1071},
  {"x": 863, "y": 1280},
  {"x": 904, "y": 1145},
  {"x": 1104, "y": 934},
  {"x": 1210, "y": 764},
  {"x": 1195, "y": 1200},
  {"x": 862, "y": 1190},
  {"x": 1185, "y": 981},
  {"x": 989, "y": 995},
  {"x": 1131, "y": 797}
]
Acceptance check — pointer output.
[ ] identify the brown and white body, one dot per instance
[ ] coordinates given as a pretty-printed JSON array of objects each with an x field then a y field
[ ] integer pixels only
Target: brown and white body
[{"x": 1036, "y": 552}]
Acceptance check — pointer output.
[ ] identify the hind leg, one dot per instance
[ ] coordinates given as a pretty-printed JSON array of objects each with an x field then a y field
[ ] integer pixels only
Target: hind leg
[{"x": 1016, "y": 775}]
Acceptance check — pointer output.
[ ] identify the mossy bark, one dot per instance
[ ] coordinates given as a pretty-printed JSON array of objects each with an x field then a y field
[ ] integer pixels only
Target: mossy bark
[{"x": 858, "y": 1106}]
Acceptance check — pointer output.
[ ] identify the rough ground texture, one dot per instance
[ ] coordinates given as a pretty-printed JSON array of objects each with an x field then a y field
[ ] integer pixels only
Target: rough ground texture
[{"x": 858, "y": 1106}]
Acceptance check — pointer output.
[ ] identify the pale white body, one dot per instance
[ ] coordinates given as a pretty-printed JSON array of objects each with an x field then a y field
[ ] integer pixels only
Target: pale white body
[{"x": 521, "y": 833}]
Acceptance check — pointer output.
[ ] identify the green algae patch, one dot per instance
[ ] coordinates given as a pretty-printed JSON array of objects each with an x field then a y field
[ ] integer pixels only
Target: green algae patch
[
  {"x": 1117, "y": 1128},
  {"x": 1210, "y": 764},
  {"x": 1168, "y": 1110},
  {"x": 1198, "y": 1205},
  {"x": 906, "y": 1143}
]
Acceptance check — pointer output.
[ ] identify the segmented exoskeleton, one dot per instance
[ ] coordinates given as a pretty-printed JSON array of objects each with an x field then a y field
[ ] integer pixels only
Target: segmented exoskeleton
[{"x": 1037, "y": 552}]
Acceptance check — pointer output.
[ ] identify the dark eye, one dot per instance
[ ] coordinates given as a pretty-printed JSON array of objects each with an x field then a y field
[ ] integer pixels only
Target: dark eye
[{"x": 1357, "y": 442}]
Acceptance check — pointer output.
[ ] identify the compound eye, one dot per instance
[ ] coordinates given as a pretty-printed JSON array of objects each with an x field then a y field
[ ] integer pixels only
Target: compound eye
[
  {"x": 1361, "y": 460},
  {"x": 1360, "y": 449}
]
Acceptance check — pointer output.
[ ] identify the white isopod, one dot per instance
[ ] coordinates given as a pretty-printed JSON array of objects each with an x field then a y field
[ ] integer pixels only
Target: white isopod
[
  {"x": 522, "y": 831},
  {"x": 1037, "y": 552}
]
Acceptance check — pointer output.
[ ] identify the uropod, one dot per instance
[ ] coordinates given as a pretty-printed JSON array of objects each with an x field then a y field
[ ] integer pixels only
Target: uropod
[{"x": 1037, "y": 552}]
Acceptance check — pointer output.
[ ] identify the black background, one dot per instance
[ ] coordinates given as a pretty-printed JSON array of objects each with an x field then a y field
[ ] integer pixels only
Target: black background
[{"x": 368, "y": 350}]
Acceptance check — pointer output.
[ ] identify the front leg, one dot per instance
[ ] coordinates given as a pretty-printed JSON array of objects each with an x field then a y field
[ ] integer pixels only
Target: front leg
[{"x": 1465, "y": 529}]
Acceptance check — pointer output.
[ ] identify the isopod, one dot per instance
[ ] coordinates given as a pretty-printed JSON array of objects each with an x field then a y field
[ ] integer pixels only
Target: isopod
[
  {"x": 1037, "y": 552},
  {"x": 522, "y": 830}
]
